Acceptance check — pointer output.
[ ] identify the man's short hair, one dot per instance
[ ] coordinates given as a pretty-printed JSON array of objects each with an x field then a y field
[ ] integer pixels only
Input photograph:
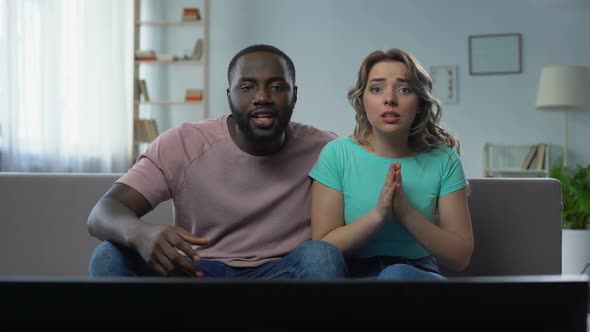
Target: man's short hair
[{"x": 260, "y": 48}]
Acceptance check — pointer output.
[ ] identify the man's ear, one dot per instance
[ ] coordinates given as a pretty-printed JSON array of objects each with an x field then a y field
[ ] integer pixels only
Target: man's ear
[
  {"x": 227, "y": 93},
  {"x": 294, "y": 94}
]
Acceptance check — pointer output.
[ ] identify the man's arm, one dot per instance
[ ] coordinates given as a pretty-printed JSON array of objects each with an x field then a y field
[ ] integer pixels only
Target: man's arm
[{"x": 115, "y": 218}]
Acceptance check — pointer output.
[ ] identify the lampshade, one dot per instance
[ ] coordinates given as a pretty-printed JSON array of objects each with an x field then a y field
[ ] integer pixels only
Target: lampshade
[{"x": 563, "y": 88}]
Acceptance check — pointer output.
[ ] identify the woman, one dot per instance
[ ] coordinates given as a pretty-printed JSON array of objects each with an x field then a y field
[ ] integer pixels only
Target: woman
[{"x": 393, "y": 196}]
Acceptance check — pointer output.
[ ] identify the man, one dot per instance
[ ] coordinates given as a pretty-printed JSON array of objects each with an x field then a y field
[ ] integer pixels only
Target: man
[{"x": 240, "y": 188}]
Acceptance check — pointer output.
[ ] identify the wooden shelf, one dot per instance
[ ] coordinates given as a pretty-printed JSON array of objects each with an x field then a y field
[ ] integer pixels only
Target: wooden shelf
[
  {"x": 168, "y": 62},
  {"x": 506, "y": 160},
  {"x": 169, "y": 23},
  {"x": 514, "y": 172},
  {"x": 167, "y": 102},
  {"x": 165, "y": 36}
]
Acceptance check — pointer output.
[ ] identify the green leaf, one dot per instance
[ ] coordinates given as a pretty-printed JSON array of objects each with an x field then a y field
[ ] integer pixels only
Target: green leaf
[{"x": 575, "y": 187}]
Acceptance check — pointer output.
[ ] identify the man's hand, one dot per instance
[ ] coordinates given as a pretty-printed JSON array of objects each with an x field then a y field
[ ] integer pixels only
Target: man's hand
[{"x": 159, "y": 246}]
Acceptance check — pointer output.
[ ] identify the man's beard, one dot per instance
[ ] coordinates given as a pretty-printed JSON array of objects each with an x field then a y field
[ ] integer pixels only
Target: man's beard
[{"x": 242, "y": 120}]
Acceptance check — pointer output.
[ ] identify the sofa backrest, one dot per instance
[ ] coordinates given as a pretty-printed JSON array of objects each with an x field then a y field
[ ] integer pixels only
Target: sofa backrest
[
  {"x": 516, "y": 224},
  {"x": 43, "y": 219}
]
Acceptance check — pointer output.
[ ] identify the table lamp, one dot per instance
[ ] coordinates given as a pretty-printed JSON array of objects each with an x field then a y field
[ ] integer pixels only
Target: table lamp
[{"x": 564, "y": 88}]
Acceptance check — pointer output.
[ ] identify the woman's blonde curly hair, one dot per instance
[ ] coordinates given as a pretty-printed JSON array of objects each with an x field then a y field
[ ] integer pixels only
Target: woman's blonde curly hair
[{"x": 426, "y": 131}]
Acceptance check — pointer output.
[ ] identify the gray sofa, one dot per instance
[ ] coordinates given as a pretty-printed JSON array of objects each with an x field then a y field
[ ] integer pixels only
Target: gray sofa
[{"x": 516, "y": 223}]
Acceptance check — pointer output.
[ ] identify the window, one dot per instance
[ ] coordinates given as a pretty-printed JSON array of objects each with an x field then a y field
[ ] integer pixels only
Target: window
[{"x": 65, "y": 100}]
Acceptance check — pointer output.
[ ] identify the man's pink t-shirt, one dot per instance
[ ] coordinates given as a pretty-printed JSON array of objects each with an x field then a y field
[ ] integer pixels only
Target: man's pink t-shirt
[{"x": 252, "y": 209}]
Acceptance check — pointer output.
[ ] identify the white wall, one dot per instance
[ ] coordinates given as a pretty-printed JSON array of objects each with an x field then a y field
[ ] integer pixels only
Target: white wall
[{"x": 327, "y": 40}]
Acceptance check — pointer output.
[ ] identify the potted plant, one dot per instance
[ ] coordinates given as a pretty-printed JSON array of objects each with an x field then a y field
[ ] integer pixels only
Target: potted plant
[{"x": 575, "y": 186}]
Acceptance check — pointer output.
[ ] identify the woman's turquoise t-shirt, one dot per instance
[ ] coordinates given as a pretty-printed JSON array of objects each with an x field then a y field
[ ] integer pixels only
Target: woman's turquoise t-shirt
[{"x": 344, "y": 166}]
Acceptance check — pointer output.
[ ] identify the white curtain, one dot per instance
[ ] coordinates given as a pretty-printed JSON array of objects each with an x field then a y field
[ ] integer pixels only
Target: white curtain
[{"x": 65, "y": 85}]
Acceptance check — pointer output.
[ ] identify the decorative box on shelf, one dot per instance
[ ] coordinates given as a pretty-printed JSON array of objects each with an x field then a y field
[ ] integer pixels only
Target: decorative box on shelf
[{"x": 516, "y": 160}]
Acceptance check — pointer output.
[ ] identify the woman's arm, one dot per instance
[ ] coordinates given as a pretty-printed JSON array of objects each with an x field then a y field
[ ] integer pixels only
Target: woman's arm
[
  {"x": 451, "y": 242},
  {"x": 327, "y": 215}
]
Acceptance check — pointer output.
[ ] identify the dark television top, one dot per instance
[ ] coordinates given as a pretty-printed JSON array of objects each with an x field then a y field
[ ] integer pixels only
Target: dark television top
[{"x": 527, "y": 303}]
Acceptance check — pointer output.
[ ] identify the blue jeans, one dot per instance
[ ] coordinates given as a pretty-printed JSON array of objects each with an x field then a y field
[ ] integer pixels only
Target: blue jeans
[
  {"x": 395, "y": 268},
  {"x": 312, "y": 259}
]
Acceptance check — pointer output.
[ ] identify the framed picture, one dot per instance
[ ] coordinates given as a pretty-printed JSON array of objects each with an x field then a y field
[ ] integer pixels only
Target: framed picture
[
  {"x": 495, "y": 54},
  {"x": 444, "y": 83}
]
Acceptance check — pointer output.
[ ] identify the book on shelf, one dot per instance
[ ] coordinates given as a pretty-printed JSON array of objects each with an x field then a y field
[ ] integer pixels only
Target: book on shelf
[
  {"x": 541, "y": 151},
  {"x": 528, "y": 160},
  {"x": 152, "y": 129},
  {"x": 143, "y": 91},
  {"x": 193, "y": 95},
  {"x": 536, "y": 157},
  {"x": 146, "y": 130},
  {"x": 197, "y": 50},
  {"x": 191, "y": 14},
  {"x": 145, "y": 55},
  {"x": 167, "y": 57}
]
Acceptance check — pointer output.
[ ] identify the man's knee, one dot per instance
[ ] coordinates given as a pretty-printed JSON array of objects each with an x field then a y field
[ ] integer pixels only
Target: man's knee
[
  {"x": 109, "y": 259},
  {"x": 323, "y": 258}
]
